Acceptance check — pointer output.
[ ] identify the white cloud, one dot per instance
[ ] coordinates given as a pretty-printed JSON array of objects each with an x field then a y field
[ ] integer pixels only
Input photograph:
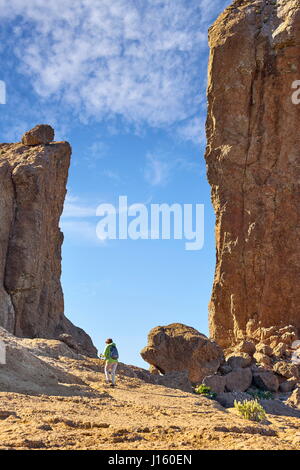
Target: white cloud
[
  {"x": 193, "y": 130},
  {"x": 157, "y": 171},
  {"x": 102, "y": 59},
  {"x": 160, "y": 167}
]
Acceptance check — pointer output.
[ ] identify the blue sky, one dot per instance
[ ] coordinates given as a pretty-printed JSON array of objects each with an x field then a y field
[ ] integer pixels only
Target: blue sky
[{"x": 124, "y": 82}]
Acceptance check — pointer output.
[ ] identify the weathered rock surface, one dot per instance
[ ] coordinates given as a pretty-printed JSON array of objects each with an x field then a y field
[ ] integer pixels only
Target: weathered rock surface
[
  {"x": 177, "y": 347},
  {"x": 288, "y": 385},
  {"x": 253, "y": 166},
  {"x": 286, "y": 369},
  {"x": 240, "y": 360},
  {"x": 33, "y": 187},
  {"x": 294, "y": 399}
]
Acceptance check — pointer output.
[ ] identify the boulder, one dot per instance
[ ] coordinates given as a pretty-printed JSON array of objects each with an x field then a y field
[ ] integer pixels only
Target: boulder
[
  {"x": 227, "y": 399},
  {"x": 153, "y": 370},
  {"x": 224, "y": 369},
  {"x": 239, "y": 360},
  {"x": 262, "y": 359},
  {"x": 266, "y": 380},
  {"x": 276, "y": 407},
  {"x": 247, "y": 347},
  {"x": 286, "y": 369},
  {"x": 69, "y": 341},
  {"x": 177, "y": 347},
  {"x": 41, "y": 134},
  {"x": 288, "y": 385},
  {"x": 238, "y": 380},
  {"x": 176, "y": 379},
  {"x": 253, "y": 168},
  {"x": 215, "y": 382},
  {"x": 264, "y": 349}
]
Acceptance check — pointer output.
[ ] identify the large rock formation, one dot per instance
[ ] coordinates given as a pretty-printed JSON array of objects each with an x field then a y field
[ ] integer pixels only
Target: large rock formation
[
  {"x": 178, "y": 347},
  {"x": 33, "y": 187},
  {"x": 253, "y": 165}
]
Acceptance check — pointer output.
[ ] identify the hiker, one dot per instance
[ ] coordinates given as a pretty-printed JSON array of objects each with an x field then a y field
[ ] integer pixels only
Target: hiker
[{"x": 111, "y": 357}]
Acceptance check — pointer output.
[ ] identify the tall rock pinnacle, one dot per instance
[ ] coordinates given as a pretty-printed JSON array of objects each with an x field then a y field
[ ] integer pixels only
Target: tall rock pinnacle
[
  {"x": 253, "y": 166},
  {"x": 33, "y": 179}
]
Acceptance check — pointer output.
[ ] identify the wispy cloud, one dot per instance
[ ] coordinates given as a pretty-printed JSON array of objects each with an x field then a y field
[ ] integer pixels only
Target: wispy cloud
[
  {"x": 157, "y": 171},
  {"x": 103, "y": 59},
  {"x": 80, "y": 231},
  {"x": 111, "y": 175},
  {"x": 77, "y": 221},
  {"x": 160, "y": 167},
  {"x": 73, "y": 208}
]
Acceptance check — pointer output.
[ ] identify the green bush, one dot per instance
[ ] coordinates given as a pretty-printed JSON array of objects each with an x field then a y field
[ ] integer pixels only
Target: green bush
[
  {"x": 205, "y": 391},
  {"x": 261, "y": 395},
  {"x": 250, "y": 409}
]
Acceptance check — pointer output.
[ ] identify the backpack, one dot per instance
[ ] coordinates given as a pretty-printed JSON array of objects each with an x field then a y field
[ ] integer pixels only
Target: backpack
[{"x": 113, "y": 353}]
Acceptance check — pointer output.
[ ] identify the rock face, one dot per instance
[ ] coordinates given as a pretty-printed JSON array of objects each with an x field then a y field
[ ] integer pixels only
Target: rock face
[
  {"x": 33, "y": 187},
  {"x": 253, "y": 166},
  {"x": 178, "y": 347}
]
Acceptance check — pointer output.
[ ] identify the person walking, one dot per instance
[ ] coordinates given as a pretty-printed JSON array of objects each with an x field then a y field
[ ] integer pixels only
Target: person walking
[{"x": 111, "y": 357}]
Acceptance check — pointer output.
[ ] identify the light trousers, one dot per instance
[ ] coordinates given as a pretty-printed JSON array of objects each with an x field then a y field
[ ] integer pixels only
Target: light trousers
[{"x": 110, "y": 371}]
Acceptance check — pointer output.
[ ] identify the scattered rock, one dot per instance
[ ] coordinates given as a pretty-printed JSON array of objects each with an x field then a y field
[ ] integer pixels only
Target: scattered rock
[
  {"x": 286, "y": 369},
  {"x": 178, "y": 347},
  {"x": 215, "y": 382},
  {"x": 41, "y": 134},
  {"x": 45, "y": 427},
  {"x": 238, "y": 380},
  {"x": 266, "y": 380}
]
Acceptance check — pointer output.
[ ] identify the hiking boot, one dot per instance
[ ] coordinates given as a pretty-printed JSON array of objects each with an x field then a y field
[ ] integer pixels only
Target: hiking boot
[{"x": 112, "y": 385}]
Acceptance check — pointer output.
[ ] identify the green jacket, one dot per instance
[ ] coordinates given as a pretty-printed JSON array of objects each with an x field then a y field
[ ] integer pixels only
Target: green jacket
[{"x": 106, "y": 354}]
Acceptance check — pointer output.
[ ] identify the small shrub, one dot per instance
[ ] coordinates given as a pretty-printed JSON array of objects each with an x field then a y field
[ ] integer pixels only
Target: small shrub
[
  {"x": 205, "y": 391},
  {"x": 261, "y": 395},
  {"x": 250, "y": 409}
]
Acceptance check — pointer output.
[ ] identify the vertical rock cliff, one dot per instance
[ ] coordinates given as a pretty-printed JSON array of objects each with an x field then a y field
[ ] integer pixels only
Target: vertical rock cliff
[
  {"x": 33, "y": 177},
  {"x": 253, "y": 166}
]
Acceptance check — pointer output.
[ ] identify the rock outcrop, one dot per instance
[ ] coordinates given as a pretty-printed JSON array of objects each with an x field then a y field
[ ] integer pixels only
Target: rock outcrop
[
  {"x": 33, "y": 187},
  {"x": 253, "y": 167},
  {"x": 177, "y": 347}
]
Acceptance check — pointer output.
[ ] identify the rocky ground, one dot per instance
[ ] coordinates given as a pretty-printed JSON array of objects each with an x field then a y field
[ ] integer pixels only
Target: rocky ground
[{"x": 54, "y": 398}]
